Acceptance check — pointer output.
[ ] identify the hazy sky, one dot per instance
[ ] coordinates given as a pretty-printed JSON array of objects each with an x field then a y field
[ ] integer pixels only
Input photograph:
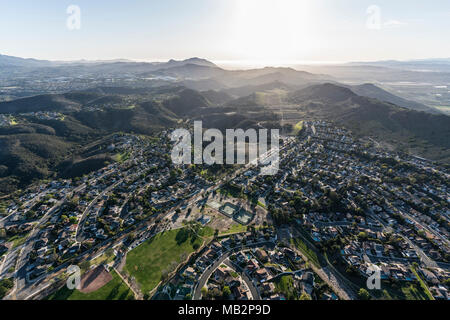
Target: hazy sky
[{"x": 223, "y": 30}]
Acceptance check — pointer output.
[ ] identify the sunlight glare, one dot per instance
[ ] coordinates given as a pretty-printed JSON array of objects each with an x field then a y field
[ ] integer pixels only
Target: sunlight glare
[{"x": 271, "y": 30}]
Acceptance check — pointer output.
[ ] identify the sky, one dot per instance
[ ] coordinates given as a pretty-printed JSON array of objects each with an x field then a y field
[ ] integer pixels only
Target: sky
[{"x": 267, "y": 31}]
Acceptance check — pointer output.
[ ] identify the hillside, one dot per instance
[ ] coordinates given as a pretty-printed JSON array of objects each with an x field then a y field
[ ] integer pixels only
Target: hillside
[
  {"x": 216, "y": 97},
  {"x": 38, "y": 148},
  {"x": 413, "y": 131},
  {"x": 186, "y": 101},
  {"x": 371, "y": 91},
  {"x": 67, "y": 102}
]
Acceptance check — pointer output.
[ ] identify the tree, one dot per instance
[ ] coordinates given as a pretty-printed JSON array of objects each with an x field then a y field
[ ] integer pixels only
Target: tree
[
  {"x": 73, "y": 220},
  {"x": 363, "y": 294},
  {"x": 226, "y": 292},
  {"x": 305, "y": 296},
  {"x": 362, "y": 235},
  {"x": 85, "y": 265},
  {"x": 204, "y": 291}
]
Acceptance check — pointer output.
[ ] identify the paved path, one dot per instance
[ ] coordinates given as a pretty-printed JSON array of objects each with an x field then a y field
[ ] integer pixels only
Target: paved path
[{"x": 137, "y": 296}]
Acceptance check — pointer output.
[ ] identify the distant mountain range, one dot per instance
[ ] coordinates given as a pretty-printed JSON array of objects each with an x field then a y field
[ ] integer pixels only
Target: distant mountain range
[
  {"x": 407, "y": 129},
  {"x": 194, "y": 89},
  {"x": 203, "y": 75},
  {"x": 372, "y": 91},
  {"x": 437, "y": 65},
  {"x": 38, "y": 148}
]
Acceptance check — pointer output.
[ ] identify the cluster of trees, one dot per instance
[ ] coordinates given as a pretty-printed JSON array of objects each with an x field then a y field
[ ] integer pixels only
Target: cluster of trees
[
  {"x": 216, "y": 293},
  {"x": 5, "y": 286}
]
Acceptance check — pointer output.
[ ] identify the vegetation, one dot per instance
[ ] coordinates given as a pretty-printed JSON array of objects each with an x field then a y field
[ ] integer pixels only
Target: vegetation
[
  {"x": 153, "y": 260},
  {"x": 234, "y": 228},
  {"x": 5, "y": 286},
  {"x": 363, "y": 294},
  {"x": 285, "y": 286},
  {"x": 116, "y": 289},
  {"x": 298, "y": 127},
  {"x": 311, "y": 254}
]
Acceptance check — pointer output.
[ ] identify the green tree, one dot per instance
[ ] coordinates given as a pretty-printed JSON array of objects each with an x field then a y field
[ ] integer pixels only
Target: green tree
[
  {"x": 305, "y": 296},
  {"x": 363, "y": 294},
  {"x": 204, "y": 291},
  {"x": 226, "y": 292}
]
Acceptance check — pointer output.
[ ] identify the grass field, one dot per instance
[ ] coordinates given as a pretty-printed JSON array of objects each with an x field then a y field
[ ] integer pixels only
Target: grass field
[
  {"x": 159, "y": 255},
  {"x": 298, "y": 127},
  {"x": 18, "y": 240},
  {"x": 406, "y": 291},
  {"x": 422, "y": 284},
  {"x": 103, "y": 259},
  {"x": 116, "y": 289},
  {"x": 121, "y": 157},
  {"x": 234, "y": 228},
  {"x": 300, "y": 245},
  {"x": 285, "y": 286}
]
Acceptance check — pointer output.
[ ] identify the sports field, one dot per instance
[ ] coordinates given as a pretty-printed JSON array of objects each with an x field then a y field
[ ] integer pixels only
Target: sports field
[
  {"x": 159, "y": 255},
  {"x": 115, "y": 289}
]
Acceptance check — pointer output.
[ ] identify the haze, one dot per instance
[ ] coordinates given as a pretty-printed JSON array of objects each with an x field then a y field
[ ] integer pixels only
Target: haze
[{"x": 227, "y": 31}]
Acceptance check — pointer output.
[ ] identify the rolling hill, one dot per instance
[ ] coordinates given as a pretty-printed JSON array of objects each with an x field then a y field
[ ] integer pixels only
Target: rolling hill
[
  {"x": 409, "y": 130},
  {"x": 372, "y": 91}
]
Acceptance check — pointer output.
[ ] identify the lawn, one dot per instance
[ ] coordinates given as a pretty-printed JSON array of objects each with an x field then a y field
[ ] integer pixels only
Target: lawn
[
  {"x": 285, "y": 285},
  {"x": 403, "y": 291},
  {"x": 423, "y": 286},
  {"x": 298, "y": 127},
  {"x": 18, "y": 240},
  {"x": 300, "y": 245},
  {"x": 105, "y": 258},
  {"x": 234, "y": 228},
  {"x": 116, "y": 289},
  {"x": 159, "y": 255},
  {"x": 121, "y": 157}
]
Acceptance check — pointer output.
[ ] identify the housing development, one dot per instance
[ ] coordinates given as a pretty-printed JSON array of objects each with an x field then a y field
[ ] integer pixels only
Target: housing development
[
  {"x": 337, "y": 206},
  {"x": 222, "y": 159}
]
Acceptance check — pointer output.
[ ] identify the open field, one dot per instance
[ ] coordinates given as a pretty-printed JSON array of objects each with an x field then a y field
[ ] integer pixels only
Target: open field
[
  {"x": 298, "y": 127},
  {"x": 158, "y": 256},
  {"x": 234, "y": 228},
  {"x": 121, "y": 157},
  {"x": 402, "y": 291},
  {"x": 115, "y": 289},
  {"x": 300, "y": 245}
]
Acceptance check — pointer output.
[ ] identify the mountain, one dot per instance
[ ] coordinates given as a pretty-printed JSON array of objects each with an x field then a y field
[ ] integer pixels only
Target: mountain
[
  {"x": 408, "y": 130},
  {"x": 39, "y": 148},
  {"x": 50, "y": 102},
  {"x": 250, "y": 89},
  {"x": 185, "y": 102},
  {"x": 326, "y": 92},
  {"x": 11, "y": 61},
  {"x": 195, "y": 61},
  {"x": 216, "y": 97},
  {"x": 117, "y": 68},
  {"x": 436, "y": 65},
  {"x": 256, "y": 77},
  {"x": 372, "y": 91},
  {"x": 187, "y": 71}
]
